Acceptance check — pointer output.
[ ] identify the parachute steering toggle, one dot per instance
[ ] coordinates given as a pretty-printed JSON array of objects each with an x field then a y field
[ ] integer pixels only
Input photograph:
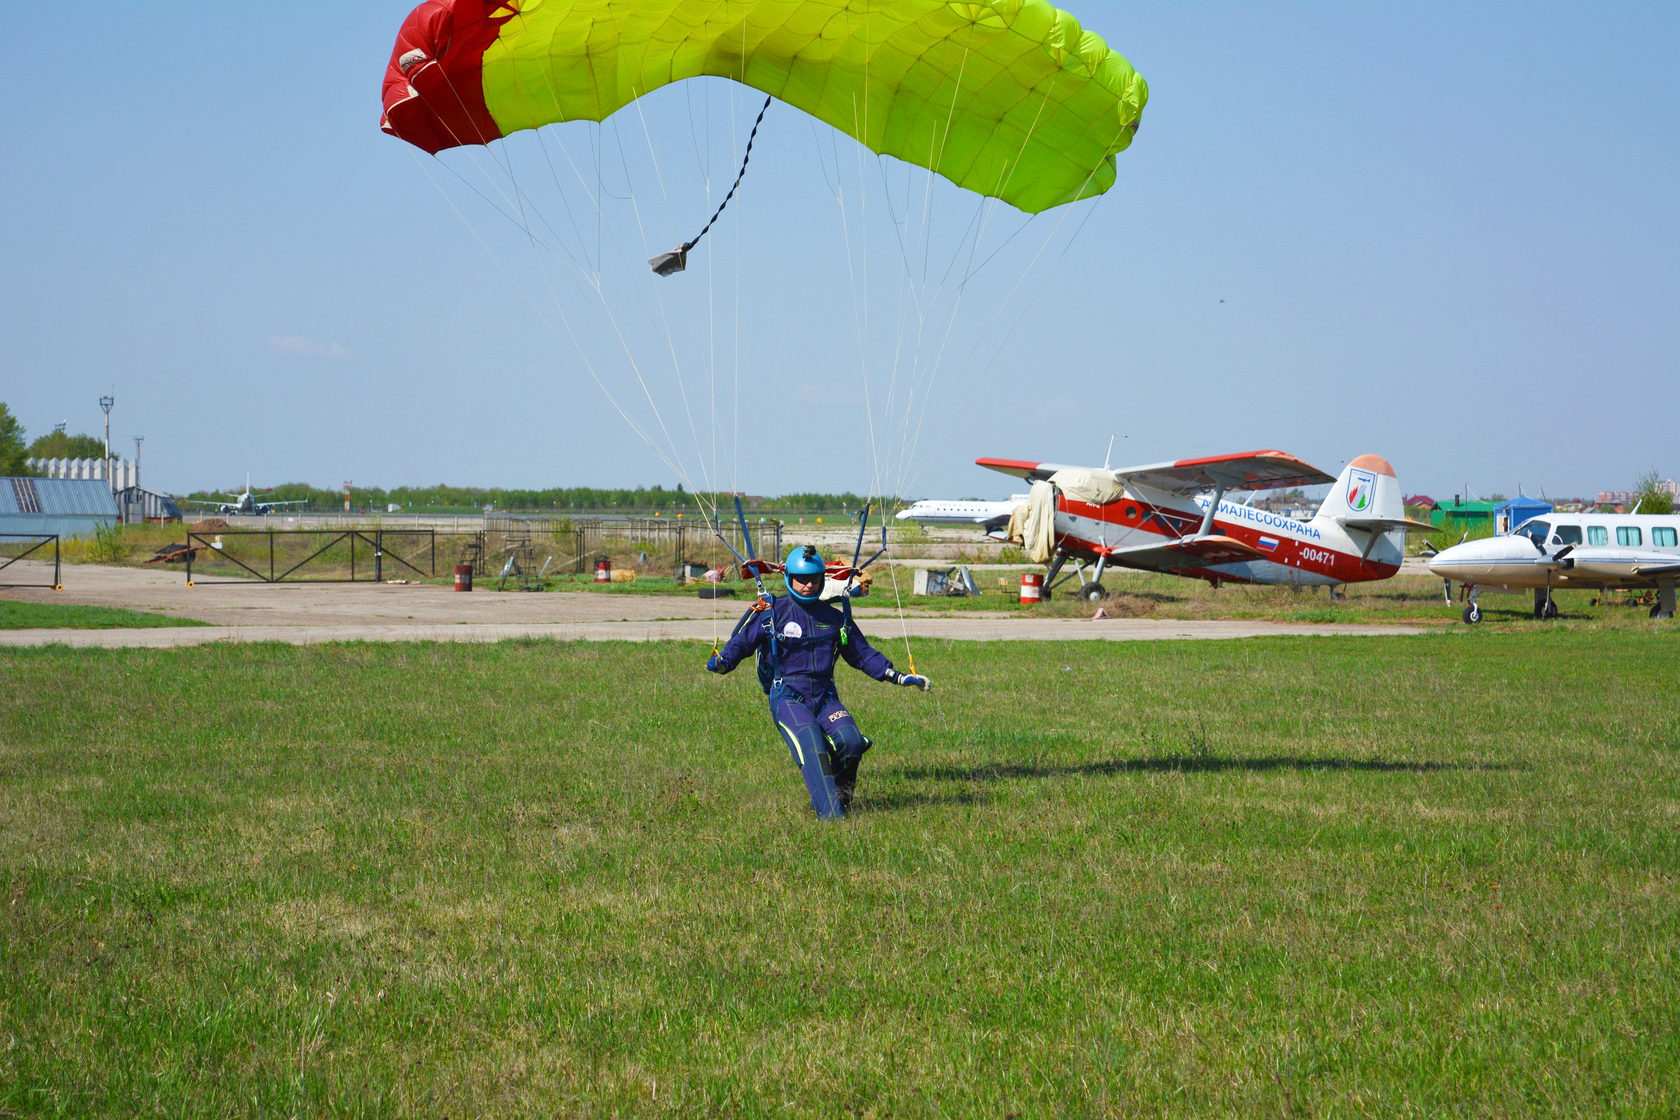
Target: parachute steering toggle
[{"x": 669, "y": 264}]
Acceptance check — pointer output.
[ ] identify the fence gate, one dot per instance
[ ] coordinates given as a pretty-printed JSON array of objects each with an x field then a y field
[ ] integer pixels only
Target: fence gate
[
  {"x": 20, "y": 546},
  {"x": 311, "y": 555}
]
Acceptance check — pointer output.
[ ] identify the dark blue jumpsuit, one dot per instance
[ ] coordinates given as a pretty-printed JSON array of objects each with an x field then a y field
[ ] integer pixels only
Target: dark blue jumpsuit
[{"x": 797, "y": 645}]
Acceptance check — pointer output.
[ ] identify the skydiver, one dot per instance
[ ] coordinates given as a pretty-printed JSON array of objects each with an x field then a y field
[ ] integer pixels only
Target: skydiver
[{"x": 797, "y": 639}]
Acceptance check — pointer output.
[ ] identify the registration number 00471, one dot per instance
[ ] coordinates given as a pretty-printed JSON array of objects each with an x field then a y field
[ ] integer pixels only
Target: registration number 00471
[{"x": 1317, "y": 556}]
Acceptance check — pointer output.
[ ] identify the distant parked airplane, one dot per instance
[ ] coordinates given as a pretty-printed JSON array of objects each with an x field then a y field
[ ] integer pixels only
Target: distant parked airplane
[
  {"x": 987, "y": 515},
  {"x": 245, "y": 503},
  {"x": 1562, "y": 550}
]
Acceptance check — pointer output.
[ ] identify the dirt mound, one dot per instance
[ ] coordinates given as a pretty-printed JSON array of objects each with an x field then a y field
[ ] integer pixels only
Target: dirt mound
[{"x": 208, "y": 525}]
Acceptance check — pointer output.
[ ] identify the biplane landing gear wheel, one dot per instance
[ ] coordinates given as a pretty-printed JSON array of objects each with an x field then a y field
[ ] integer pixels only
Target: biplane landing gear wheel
[
  {"x": 1473, "y": 614},
  {"x": 1549, "y": 609},
  {"x": 1658, "y": 612},
  {"x": 1091, "y": 592}
]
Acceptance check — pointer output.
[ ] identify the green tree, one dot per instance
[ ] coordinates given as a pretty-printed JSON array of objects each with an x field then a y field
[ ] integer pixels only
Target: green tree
[
  {"x": 58, "y": 445},
  {"x": 12, "y": 453},
  {"x": 1649, "y": 495}
]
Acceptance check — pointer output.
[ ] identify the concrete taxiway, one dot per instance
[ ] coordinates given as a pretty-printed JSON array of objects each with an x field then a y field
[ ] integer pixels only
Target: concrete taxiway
[{"x": 302, "y": 613}]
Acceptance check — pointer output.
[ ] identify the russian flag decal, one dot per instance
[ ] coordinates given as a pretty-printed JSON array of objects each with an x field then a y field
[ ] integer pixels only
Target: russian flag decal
[{"x": 1268, "y": 543}]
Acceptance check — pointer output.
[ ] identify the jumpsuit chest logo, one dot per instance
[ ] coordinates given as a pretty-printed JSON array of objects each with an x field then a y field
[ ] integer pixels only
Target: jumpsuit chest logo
[{"x": 792, "y": 629}]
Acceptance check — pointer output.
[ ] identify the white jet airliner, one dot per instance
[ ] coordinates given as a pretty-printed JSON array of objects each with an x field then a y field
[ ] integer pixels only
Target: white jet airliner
[{"x": 936, "y": 511}]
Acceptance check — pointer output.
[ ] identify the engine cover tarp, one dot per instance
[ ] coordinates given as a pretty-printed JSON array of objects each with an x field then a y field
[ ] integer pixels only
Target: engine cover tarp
[
  {"x": 1088, "y": 484},
  {"x": 1033, "y": 525}
]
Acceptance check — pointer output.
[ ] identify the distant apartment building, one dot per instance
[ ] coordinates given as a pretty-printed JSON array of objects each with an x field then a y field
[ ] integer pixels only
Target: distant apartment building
[{"x": 1668, "y": 486}]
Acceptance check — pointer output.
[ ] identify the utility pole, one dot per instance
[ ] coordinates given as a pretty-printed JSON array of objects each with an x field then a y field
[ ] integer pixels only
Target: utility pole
[{"x": 105, "y": 403}]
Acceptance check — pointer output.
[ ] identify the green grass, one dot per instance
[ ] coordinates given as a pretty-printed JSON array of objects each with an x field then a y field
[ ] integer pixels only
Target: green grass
[
  {"x": 53, "y": 616},
  {"x": 1413, "y": 600},
  {"x": 1348, "y": 877}
]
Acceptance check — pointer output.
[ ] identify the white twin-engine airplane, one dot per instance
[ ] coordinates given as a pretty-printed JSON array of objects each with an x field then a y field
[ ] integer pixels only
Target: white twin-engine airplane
[
  {"x": 1562, "y": 550},
  {"x": 1172, "y": 517}
]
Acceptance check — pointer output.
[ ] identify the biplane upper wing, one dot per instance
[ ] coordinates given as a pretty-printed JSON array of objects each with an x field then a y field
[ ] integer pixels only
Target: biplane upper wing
[
  {"x": 1246, "y": 470},
  {"x": 1023, "y": 468},
  {"x": 1186, "y": 552}
]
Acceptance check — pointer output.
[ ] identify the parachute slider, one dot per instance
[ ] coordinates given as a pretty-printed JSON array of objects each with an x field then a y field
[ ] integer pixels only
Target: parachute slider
[{"x": 669, "y": 264}]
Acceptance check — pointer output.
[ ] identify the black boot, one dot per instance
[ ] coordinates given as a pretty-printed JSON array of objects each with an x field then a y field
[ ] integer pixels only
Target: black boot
[{"x": 846, "y": 773}]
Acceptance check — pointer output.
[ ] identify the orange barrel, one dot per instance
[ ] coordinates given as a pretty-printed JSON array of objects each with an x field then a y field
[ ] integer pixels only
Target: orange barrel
[
  {"x": 603, "y": 570},
  {"x": 463, "y": 577},
  {"x": 1032, "y": 587}
]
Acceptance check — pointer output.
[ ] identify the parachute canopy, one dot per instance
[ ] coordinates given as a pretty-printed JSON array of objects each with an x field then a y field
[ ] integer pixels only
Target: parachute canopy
[{"x": 1007, "y": 98}]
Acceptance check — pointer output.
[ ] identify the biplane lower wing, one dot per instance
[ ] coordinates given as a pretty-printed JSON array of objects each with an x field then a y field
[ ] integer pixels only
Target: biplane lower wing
[{"x": 1187, "y": 552}]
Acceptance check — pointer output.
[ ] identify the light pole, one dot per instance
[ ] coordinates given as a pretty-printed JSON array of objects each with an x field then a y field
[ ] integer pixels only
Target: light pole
[{"x": 105, "y": 403}]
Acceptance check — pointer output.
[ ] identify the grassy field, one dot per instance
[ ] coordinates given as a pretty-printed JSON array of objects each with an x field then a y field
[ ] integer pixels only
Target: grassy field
[
  {"x": 61, "y": 616},
  {"x": 1292, "y": 877},
  {"x": 1414, "y": 600}
]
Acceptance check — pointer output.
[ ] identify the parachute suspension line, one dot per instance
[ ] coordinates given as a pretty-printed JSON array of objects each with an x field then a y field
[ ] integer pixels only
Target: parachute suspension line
[
  {"x": 675, "y": 460},
  {"x": 664, "y": 316},
  {"x": 569, "y": 334},
  {"x": 592, "y": 278},
  {"x": 888, "y": 476},
  {"x": 665, "y": 264},
  {"x": 861, "y": 320},
  {"x": 593, "y": 282},
  {"x": 1027, "y": 304},
  {"x": 983, "y": 216}
]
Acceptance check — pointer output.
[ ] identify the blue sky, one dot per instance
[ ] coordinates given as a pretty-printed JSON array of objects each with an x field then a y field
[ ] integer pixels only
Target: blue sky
[{"x": 1444, "y": 233}]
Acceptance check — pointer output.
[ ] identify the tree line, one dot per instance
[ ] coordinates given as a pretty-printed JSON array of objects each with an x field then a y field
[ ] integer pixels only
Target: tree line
[
  {"x": 558, "y": 499},
  {"x": 15, "y": 447}
]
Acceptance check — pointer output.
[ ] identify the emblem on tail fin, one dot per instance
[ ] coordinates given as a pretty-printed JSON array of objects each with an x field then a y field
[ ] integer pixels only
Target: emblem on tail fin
[{"x": 1360, "y": 485}]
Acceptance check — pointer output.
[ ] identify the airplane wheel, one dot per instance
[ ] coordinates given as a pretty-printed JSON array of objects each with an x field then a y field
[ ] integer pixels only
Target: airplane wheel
[
  {"x": 1091, "y": 592},
  {"x": 1549, "y": 610},
  {"x": 1472, "y": 614},
  {"x": 1658, "y": 612}
]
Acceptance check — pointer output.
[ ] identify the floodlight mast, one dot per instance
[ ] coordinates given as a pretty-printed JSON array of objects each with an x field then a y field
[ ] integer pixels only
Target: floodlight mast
[{"x": 105, "y": 403}]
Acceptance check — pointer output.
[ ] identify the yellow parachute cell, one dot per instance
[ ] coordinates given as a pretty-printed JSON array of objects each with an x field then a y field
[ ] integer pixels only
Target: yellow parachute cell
[{"x": 1008, "y": 98}]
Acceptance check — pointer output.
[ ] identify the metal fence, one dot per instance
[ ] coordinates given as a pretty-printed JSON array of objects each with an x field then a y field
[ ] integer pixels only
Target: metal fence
[
  {"x": 20, "y": 546},
  {"x": 578, "y": 541},
  {"x": 311, "y": 556}
]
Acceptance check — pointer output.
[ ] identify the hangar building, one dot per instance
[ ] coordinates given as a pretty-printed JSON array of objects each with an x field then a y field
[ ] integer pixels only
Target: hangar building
[{"x": 69, "y": 507}]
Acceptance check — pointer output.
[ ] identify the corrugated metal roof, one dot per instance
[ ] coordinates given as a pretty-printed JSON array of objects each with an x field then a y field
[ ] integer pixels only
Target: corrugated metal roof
[{"x": 52, "y": 497}]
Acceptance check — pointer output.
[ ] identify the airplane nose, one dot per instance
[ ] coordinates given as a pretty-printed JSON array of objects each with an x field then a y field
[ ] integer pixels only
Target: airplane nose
[{"x": 1474, "y": 560}]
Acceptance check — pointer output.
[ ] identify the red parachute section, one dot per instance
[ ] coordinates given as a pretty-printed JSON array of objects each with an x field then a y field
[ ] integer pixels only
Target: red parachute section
[{"x": 434, "y": 91}]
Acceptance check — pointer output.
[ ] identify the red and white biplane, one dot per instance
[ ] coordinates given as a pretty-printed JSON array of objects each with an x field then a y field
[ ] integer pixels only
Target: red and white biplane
[{"x": 1174, "y": 517}]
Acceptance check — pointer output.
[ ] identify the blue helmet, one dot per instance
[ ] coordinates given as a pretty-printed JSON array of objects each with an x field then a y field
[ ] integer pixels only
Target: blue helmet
[{"x": 805, "y": 561}]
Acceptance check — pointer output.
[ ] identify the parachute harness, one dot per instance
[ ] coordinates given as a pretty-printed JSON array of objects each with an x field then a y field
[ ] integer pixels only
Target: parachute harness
[{"x": 754, "y": 568}]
